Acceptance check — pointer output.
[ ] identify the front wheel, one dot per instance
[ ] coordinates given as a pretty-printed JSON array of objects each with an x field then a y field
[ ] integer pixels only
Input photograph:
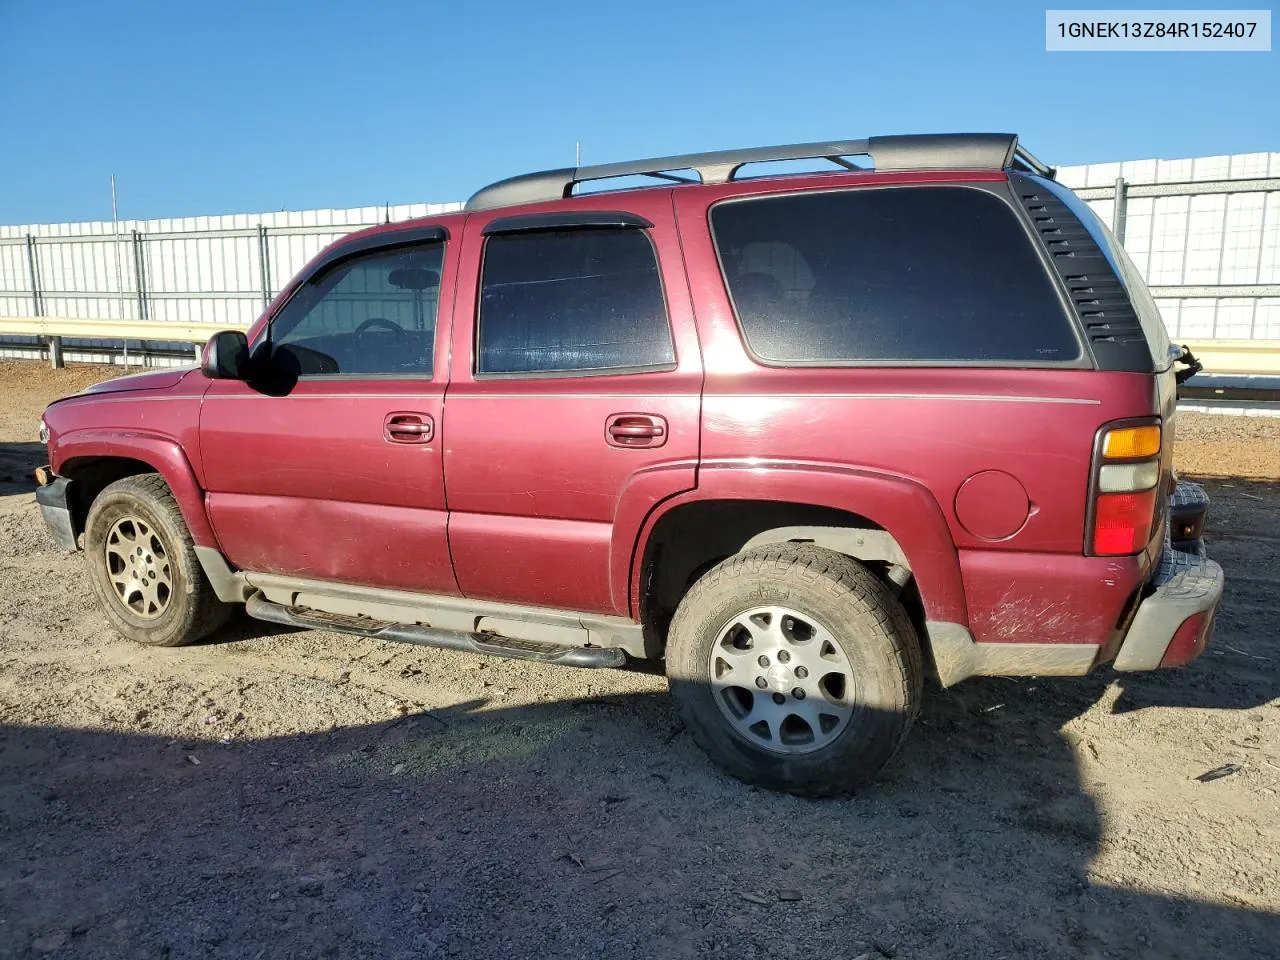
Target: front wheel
[
  {"x": 795, "y": 669},
  {"x": 143, "y": 566}
]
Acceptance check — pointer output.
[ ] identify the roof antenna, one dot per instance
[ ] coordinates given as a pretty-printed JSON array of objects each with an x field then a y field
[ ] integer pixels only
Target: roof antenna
[
  {"x": 388, "y": 214},
  {"x": 577, "y": 154}
]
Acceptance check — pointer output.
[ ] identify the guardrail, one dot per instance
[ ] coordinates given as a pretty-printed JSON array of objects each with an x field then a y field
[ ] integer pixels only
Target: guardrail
[
  {"x": 1218, "y": 356},
  {"x": 53, "y": 329},
  {"x": 159, "y": 330},
  {"x": 1237, "y": 356}
]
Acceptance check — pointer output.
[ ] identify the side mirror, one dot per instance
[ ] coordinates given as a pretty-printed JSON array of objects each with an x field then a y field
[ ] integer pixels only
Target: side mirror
[{"x": 226, "y": 356}]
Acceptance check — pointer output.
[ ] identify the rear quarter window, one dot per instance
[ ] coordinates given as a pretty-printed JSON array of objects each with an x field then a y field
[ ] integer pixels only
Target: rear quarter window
[
  {"x": 1144, "y": 305},
  {"x": 907, "y": 274}
]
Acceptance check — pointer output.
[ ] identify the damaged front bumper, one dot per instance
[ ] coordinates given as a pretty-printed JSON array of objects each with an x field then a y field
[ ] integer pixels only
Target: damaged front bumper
[{"x": 52, "y": 497}]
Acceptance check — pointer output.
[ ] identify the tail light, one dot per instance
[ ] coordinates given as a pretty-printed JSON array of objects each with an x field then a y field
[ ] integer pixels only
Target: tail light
[{"x": 1125, "y": 488}]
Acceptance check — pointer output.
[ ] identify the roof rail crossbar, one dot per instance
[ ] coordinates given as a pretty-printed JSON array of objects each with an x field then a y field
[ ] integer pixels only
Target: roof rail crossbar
[
  {"x": 1027, "y": 161},
  {"x": 978, "y": 151}
]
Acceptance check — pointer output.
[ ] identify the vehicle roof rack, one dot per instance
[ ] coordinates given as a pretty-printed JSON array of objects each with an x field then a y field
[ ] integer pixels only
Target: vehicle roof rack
[{"x": 925, "y": 151}]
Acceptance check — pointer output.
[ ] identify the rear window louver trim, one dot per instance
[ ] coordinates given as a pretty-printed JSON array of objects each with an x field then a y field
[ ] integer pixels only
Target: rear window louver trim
[{"x": 1098, "y": 297}]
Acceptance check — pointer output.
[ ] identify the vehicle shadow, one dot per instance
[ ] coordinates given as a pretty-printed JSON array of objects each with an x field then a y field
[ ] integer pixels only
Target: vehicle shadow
[
  {"x": 17, "y": 461},
  {"x": 581, "y": 828},
  {"x": 241, "y": 627}
]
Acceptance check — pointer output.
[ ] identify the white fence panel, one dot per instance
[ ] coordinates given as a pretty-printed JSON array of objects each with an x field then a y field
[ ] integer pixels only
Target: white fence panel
[
  {"x": 193, "y": 269},
  {"x": 1201, "y": 239},
  {"x": 221, "y": 269}
]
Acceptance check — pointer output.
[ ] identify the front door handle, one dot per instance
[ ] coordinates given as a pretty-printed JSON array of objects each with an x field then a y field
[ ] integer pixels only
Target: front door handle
[
  {"x": 635, "y": 430},
  {"x": 408, "y": 428}
]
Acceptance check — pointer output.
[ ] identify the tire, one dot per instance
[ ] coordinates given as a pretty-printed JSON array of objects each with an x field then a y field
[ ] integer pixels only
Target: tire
[
  {"x": 143, "y": 566},
  {"x": 805, "y": 610}
]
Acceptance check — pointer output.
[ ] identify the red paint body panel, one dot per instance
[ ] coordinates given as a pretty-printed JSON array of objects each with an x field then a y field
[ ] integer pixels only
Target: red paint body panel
[
  {"x": 1189, "y": 641},
  {"x": 520, "y": 496},
  {"x": 150, "y": 380},
  {"x": 632, "y": 522},
  {"x": 904, "y": 508},
  {"x": 1019, "y": 597},
  {"x": 535, "y": 489},
  {"x": 150, "y": 417},
  {"x": 321, "y": 457},
  {"x": 328, "y": 539},
  {"x": 163, "y": 454},
  {"x": 992, "y": 505},
  {"x": 932, "y": 427},
  {"x": 324, "y": 441},
  {"x": 545, "y": 562}
]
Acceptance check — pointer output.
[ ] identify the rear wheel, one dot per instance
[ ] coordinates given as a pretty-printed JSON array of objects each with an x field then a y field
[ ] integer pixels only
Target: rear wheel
[
  {"x": 795, "y": 669},
  {"x": 143, "y": 566}
]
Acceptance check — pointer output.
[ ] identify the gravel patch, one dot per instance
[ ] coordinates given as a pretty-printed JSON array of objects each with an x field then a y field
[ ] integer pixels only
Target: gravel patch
[{"x": 278, "y": 794}]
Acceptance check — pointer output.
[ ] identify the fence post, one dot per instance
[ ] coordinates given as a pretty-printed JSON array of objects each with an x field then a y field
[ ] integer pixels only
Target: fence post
[
  {"x": 140, "y": 283},
  {"x": 31, "y": 275},
  {"x": 1121, "y": 209},
  {"x": 139, "y": 272},
  {"x": 264, "y": 265},
  {"x": 37, "y": 306}
]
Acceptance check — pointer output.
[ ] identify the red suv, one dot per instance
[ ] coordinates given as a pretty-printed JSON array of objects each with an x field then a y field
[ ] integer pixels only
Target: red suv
[{"x": 806, "y": 437}]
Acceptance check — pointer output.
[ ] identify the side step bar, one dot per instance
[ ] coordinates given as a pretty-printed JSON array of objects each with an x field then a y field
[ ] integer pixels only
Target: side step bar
[{"x": 259, "y": 607}]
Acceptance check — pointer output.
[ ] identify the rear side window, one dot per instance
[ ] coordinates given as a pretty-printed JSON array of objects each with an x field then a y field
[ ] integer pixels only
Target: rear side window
[
  {"x": 910, "y": 274},
  {"x": 563, "y": 301}
]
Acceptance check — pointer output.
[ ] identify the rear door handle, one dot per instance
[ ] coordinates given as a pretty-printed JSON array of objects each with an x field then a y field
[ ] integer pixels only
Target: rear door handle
[
  {"x": 635, "y": 430},
  {"x": 408, "y": 428}
]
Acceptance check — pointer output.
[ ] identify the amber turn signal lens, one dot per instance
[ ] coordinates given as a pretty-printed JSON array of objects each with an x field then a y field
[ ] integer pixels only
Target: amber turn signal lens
[{"x": 1128, "y": 443}]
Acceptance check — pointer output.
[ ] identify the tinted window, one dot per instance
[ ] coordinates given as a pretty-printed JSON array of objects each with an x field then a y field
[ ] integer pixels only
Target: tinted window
[
  {"x": 567, "y": 300},
  {"x": 913, "y": 273},
  {"x": 375, "y": 314}
]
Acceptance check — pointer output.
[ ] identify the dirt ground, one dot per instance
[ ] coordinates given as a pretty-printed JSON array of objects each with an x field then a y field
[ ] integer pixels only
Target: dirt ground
[{"x": 277, "y": 794}]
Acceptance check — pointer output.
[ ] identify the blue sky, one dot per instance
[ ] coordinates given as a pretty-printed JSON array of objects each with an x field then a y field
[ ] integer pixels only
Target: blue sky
[{"x": 248, "y": 106}]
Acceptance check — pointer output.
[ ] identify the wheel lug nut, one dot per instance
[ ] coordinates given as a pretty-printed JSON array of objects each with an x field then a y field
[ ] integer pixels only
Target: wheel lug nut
[
  {"x": 761, "y": 682},
  {"x": 763, "y": 661},
  {"x": 801, "y": 673},
  {"x": 798, "y": 693},
  {"x": 779, "y": 699},
  {"x": 783, "y": 656}
]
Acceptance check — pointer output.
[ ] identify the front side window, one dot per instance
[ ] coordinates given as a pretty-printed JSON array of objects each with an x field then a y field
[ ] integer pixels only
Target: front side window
[
  {"x": 374, "y": 314},
  {"x": 907, "y": 274},
  {"x": 564, "y": 301}
]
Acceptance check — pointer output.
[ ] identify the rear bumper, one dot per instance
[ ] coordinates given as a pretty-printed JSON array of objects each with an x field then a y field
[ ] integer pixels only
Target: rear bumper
[
  {"x": 1174, "y": 620},
  {"x": 1046, "y": 614},
  {"x": 54, "y": 507}
]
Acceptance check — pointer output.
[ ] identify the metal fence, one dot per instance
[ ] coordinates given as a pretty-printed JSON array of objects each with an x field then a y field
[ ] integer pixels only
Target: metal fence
[
  {"x": 221, "y": 270},
  {"x": 1205, "y": 232}
]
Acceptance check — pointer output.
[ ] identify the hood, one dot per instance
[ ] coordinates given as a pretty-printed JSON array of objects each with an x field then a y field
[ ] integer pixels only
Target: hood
[{"x": 151, "y": 380}]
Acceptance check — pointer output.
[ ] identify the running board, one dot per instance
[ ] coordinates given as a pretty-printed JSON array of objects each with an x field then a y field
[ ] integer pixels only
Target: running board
[{"x": 259, "y": 607}]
